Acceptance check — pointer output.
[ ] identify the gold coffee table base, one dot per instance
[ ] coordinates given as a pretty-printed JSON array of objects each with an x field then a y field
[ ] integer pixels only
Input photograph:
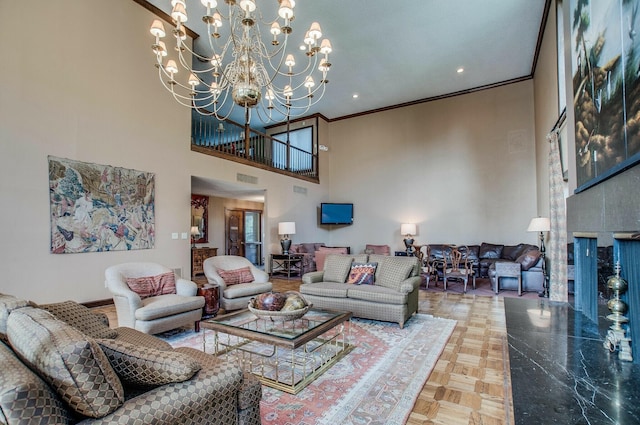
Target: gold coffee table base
[{"x": 286, "y": 356}]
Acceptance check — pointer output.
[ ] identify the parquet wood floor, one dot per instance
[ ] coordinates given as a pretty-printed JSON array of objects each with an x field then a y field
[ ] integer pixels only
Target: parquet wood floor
[{"x": 470, "y": 383}]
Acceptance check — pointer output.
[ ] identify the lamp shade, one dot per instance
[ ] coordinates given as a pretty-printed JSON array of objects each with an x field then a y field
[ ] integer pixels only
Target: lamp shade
[
  {"x": 539, "y": 224},
  {"x": 195, "y": 231},
  {"x": 408, "y": 229},
  {"x": 287, "y": 228}
]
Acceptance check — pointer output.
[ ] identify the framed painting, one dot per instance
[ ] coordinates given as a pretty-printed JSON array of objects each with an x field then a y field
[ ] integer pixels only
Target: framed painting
[
  {"x": 605, "y": 43},
  {"x": 97, "y": 208}
]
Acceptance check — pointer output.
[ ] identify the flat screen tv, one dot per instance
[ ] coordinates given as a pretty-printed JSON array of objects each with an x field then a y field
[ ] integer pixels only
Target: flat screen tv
[{"x": 336, "y": 213}]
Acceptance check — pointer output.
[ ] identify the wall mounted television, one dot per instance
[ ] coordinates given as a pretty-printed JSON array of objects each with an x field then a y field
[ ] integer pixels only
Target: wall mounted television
[{"x": 332, "y": 213}]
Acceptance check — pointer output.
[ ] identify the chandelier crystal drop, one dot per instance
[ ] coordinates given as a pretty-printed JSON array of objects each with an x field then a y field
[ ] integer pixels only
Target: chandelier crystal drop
[{"x": 247, "y": 64}]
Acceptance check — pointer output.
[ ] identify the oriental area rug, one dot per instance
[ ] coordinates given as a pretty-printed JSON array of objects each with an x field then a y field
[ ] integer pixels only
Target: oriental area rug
[{"x": 377, "y": 383}]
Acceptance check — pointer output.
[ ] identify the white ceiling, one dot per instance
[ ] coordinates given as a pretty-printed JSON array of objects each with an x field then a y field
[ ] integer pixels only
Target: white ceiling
[{"x": 395, "y": 52}]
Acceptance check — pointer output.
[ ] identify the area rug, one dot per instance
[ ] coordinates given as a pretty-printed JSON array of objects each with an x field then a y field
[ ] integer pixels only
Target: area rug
[{"x": 377, "y": 383}]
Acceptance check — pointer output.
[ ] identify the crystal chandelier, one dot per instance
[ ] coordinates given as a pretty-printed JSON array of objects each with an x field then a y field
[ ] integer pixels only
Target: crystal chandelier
[{"x": 239, "y": 68}]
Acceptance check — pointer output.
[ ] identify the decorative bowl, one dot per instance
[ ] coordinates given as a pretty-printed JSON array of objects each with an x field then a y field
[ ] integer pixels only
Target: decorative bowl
[{"x": 281, "y": 315}]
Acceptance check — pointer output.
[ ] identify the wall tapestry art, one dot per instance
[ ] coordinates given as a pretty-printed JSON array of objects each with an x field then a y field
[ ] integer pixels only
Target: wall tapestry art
[
  {"x": 98, "y": 208},
  {"x": 605, "y": 43}
]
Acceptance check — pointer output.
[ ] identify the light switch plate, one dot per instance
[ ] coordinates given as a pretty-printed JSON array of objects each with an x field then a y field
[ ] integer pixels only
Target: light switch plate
[
  {"x": 174, "y": 236},
  {"x": 184, "y": 235}
]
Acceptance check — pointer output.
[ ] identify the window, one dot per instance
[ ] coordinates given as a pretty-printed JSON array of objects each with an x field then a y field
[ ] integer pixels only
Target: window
[{"x": 301, "y": 154}]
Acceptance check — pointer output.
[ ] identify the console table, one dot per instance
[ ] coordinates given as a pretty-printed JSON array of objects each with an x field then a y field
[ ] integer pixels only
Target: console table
[
  {"x": 198, "y": 255},
  {"x": 286, "y": 264}
]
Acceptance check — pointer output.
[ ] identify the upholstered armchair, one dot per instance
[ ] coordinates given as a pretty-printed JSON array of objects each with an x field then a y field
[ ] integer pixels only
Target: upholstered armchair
[
  {"x": 162, "y": 301},
  {"x": 239, "y": 280}
]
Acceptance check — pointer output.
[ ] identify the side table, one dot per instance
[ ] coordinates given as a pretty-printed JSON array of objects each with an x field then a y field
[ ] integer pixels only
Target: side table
[
  {"x": 286, "y": 264},
  {"x": 211, "y": 294}
]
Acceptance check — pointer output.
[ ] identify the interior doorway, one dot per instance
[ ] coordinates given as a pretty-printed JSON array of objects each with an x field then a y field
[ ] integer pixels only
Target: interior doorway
[{"x": 243, "y": 228}]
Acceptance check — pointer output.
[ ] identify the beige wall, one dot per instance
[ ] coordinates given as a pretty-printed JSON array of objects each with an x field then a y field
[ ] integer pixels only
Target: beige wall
[
  {"x": 84, "y": 88},
  {"x": 462, "y": 169},
  {"x": 79, "y": 83}
]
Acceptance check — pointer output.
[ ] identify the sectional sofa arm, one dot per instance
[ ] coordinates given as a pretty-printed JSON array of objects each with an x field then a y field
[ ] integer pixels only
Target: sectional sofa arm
[{"x": 313, "y": 277}]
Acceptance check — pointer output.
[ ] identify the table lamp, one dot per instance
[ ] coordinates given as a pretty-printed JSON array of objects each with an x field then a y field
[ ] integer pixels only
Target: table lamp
[
  {"x": 286, "y": 228},
  {"x": 408, "y": 230},
  {"x": 195, "y": 232}
]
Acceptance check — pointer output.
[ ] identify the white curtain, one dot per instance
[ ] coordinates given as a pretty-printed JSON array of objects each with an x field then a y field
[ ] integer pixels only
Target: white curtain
[{"x": 557, "y": 252}]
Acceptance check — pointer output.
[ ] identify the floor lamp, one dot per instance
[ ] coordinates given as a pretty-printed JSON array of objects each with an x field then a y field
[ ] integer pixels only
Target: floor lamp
[{"x": 542, "y": 225}]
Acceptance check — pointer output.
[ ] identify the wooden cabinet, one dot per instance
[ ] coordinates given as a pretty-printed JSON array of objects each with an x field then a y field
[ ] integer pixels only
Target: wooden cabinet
[{"x": 198, "y": 255}]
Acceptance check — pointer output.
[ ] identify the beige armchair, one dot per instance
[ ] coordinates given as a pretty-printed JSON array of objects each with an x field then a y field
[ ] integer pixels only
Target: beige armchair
[
  {"x": 157, "y": 313},
  {"x": 237, "y": 296}
]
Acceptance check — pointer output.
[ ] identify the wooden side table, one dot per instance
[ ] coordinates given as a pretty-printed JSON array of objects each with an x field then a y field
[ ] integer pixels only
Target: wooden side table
[
  {"x": 211, "y": 294},
  {"x": 287, "y": 264}
]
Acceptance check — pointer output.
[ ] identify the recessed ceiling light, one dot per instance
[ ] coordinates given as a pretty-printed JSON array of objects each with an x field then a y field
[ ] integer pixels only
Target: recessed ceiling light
[
  {"x": 460, "y": 70},
  {"x": 355, "y": 95},
  {"x": 303, "y": 47}
]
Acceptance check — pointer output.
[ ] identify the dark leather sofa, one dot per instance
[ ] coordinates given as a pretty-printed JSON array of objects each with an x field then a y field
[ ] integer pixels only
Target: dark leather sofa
[{"x": 483, "y": 256}]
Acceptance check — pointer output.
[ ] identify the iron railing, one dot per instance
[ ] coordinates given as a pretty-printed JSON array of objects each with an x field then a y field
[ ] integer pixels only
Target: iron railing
[{"x": 235, "y": 142}]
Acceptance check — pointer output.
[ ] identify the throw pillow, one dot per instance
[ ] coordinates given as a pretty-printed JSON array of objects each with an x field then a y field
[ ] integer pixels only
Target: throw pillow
[
  {"x": 151, "y": 286},
  {"x": 236, "y": 276},
  {"x": 8, "y": 303},
  {"x": 337, "y": 267},
  {"x": 362, "y": 273},
  {"x": 147, "y": 367},
  {"x": 70, "y": 362},
  {"x": 528, "y": 259}
]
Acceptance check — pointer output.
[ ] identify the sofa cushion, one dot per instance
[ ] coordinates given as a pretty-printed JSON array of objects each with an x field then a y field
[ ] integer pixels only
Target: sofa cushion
[
  {"x": 394, "y": 270},
  {"x": 377, "y": 249},
  {"x": 147, "y": 367},
  {"x": 167, "y": 305},
  {"x": 24, "y": 397},
  {"x": 308, "y": 247},
  {"x": 236, "y": 276},
  {"x": 473, "y": 253},
  {"x": 72, "y": 363},
  {"x": 337, "y": 267},
  {"x": 529, "y": 259},
  {"x": 377, "y": 294},
  {"x": 8, "y": 303},
  {"x": 325, "y": 289},
  {"x": 362, "y": 273},
  {"x": 488, "y": 250},
  {"x": 150, "y": 286},
  {"x": 81, "y": 318},
  {"x": 511, "y": 252}
]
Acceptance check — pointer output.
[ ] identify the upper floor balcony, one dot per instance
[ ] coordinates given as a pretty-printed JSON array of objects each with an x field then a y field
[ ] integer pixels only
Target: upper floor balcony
[{"x": 293, "y": 153}]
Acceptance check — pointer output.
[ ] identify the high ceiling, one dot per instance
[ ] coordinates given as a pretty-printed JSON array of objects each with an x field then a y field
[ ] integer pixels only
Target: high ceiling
[{"x": 395, "y": 52}]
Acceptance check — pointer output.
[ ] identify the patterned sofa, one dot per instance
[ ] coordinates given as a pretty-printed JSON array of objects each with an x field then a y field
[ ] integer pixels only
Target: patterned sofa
[
  {"x": 392, "y": 296},
  {"x": 63, "y": 364}
]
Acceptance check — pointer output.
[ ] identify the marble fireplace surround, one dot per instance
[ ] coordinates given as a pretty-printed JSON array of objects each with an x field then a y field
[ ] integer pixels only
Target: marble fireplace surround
[{"x": 608, "y": 212}]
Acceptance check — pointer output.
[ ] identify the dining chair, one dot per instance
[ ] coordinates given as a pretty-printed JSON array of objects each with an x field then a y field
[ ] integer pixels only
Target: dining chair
[{"x": 458, "y": 266}]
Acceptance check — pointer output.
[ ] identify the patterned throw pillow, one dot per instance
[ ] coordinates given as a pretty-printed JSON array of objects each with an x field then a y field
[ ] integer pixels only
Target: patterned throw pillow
[
  {"x": 147, "y": 367},
  {"x": 362, "y": 273},
  {"x": 70, "y": 362},
  {"x": 233, "y": 277},
  {"x": 150, "y": 286}
]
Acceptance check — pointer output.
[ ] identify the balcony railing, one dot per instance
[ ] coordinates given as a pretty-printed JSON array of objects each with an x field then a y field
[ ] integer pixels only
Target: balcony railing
[{"x": 232, "y": 141}]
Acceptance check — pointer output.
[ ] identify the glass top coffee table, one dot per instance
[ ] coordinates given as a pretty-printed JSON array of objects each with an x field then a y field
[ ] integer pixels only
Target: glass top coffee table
[{"x": 286, "y": 355}]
